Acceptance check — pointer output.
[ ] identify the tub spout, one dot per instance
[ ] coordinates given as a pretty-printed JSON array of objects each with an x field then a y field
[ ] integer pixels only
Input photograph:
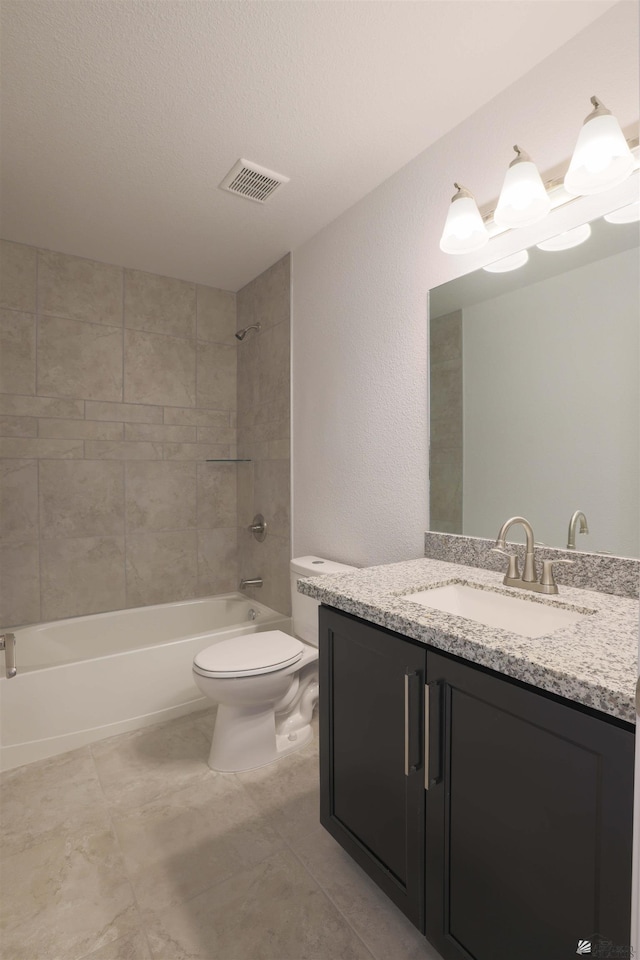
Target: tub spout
[
  {"x": 8, "y": 644},
  {"x": 251, "y": 582}
]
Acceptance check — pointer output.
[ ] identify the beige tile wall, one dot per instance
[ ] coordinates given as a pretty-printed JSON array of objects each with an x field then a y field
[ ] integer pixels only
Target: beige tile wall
[
  {"x": 115, "y": 387},
  {"x": 445, "y": 458},
  {"x": 264, "y": 433}
]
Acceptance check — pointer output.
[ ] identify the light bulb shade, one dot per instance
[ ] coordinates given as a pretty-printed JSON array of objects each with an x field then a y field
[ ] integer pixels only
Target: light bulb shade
[
  {"x": 523, "y": 198},
  {"x": 601, "y": 159},
  {"x": 464, "y": 229}
]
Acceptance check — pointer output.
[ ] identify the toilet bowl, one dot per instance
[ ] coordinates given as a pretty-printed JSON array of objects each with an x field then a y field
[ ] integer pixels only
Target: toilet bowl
[{"x": 265, "y": 683}]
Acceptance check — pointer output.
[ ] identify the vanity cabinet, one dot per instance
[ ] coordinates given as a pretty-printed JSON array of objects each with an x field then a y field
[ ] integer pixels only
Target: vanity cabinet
[
  {"x": 372, "y": 797},
  {"x": 516, "y": 840}
]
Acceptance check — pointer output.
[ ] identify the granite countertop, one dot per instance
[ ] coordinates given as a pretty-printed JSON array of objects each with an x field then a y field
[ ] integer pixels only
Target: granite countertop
[{"x": 593, "y": 662}]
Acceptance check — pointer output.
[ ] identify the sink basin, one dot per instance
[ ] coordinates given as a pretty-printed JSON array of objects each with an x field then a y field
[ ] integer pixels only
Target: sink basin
[{"x": 524, "y": 617}]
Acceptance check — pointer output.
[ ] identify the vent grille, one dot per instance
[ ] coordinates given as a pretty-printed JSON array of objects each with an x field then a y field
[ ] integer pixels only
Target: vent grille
[{"x": 247, "y": 179}]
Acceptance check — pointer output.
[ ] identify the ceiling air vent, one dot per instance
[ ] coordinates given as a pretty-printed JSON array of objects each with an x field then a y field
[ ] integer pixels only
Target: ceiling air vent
[{"x": 247, "y": 179}]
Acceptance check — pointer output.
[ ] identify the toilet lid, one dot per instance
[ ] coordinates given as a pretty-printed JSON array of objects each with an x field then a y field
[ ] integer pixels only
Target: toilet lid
[{"x": 249, "y": 654}]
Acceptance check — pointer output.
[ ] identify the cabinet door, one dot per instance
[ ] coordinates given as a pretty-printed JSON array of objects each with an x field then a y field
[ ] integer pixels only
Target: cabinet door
[
  {"x": 529, "y": 822},
  {"x": 371, "y": 753}
]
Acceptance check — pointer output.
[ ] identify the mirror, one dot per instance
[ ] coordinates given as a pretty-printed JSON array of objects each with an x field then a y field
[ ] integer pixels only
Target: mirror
[{"x": 534, "y": 398}]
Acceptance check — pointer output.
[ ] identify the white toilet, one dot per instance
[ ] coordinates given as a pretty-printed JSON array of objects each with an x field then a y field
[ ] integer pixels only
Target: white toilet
[{"x": 265, "y": 684}]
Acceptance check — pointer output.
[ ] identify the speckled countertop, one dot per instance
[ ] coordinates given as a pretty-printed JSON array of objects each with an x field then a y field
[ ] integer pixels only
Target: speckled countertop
[{"x": 593, "y": 662}]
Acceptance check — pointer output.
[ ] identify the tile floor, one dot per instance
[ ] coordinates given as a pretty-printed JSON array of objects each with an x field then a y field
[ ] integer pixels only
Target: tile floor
[{"x": 132, "y": 849}]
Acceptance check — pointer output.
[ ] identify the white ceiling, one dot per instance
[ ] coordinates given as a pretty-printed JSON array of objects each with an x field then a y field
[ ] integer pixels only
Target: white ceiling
[{"x": 120, "y": 119}]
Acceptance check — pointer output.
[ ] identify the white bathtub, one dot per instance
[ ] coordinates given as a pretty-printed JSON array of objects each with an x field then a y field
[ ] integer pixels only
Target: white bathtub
[{"x": 86, "y": 678}]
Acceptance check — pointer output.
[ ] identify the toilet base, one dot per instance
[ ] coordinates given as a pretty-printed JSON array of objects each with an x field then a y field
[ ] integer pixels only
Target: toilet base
[{"x": 245, "y": 739}]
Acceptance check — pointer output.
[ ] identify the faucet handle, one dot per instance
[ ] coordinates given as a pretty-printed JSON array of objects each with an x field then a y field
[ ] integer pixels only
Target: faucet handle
[
  {"x": 513, "y": 571},
  {"x": 547, "y": 579}
]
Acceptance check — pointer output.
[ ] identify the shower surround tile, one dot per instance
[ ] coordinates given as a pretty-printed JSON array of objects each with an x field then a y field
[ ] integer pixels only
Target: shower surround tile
[
  {"x": 218, "y": 561},
  {"x": 159, "y": 369},
  {"x": 80, "y": 498},
  {"x": 18, "y": 427},
  {"x": 78, "y": 359},
  {"x": 216, "y": 315},
  {"x": 17, "y": 352},
  {"x": 159, "y": 304},
  {"x": 217, "y": 495},
  {"x": 17, "y": 276},
  {"x": 18, "y": 499},
  {"x": 82, "y": 576},
  {"x": 161, "y": 567},
  {"x": 19, "y": 583},
  {"x": 15, "y": 406},
  {"x": 79, "y": 289},
  {"x": 216, "y": 376},
  {"x": 160, "y": 495}
]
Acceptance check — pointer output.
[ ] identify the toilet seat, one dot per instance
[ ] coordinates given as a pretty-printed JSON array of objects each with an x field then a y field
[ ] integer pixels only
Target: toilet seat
[{"x": 248, "y": 655}]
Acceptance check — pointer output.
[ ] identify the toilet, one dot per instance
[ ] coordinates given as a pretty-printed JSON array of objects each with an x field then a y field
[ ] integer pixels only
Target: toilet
[{"x": 265, "y": 683}]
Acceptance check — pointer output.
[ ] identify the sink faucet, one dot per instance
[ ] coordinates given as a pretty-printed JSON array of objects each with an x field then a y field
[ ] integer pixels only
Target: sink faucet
[
  {"x": 529, "y": 574},
  {"x": 573, "y": 523},
  {"x": 528, "y": 580}
]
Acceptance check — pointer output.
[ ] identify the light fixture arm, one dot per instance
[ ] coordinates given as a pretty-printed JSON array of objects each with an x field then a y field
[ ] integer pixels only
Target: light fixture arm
[{"x": 599, "y": 110}]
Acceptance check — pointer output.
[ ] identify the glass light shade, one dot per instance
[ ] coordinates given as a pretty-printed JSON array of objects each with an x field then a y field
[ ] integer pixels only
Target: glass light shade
[
  {"x": 508, "y": 263},
  {"x": 628, "y": 214},
  {"x": 464, "y": 229},
  {"x": 566, "y": 240},
  {"x": 602, "y": 157},
  {"x": 523, "y": 198}
]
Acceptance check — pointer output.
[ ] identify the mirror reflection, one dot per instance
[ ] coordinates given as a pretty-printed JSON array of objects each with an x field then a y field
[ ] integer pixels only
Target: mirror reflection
[{"x": 535, "y": 401}]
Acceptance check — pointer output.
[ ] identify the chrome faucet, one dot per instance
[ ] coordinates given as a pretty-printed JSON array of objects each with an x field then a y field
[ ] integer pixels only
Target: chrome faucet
[
  {"x": 528, "y": 580},
  {"x": 252, "y": 582},
  {"x": 573, "y": 523}
]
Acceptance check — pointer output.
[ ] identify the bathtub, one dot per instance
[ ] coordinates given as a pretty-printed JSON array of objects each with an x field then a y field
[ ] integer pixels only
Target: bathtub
[{"x": 86, "y": 678}]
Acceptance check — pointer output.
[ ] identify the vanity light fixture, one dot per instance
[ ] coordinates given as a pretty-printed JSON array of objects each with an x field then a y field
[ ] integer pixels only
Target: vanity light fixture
[
  {"x": 523, "y": 198},
  {"x": 628, "y": 214},
  {"x": 508, "y": 263},
  {"x": 464, "y": 229},
  {"x": 602, "y": 158},
  {"x": 566, "y": 240}
]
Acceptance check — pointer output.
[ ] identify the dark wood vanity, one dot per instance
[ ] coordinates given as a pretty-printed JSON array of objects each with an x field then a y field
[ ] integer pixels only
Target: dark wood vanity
[{"x": 497, "y": 816}]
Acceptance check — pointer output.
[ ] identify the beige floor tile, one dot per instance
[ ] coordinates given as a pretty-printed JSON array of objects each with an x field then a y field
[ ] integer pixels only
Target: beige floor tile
[
  {"x": 178, "y": 846},
  {"x": 138, "y": 767},
  {"x": 68, "y": 895},
  {"x": 288, "y": 791},
  {"x": 134, "y": 946},
  {"x": 274, "y": 911},
  {"x": 42, "y": 798},
  {"x": 383, "y": 928}
]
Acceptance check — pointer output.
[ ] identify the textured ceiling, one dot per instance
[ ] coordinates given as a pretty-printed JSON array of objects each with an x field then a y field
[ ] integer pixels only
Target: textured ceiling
[{"x": 119, "y": 119}]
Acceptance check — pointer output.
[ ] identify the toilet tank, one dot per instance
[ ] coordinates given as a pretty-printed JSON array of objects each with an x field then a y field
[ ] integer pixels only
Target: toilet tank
[{"x": 304, "y": 610}]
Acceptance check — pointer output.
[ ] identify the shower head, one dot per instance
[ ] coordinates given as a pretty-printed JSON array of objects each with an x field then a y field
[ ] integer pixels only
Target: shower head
[{"x": 241, "y": 334}]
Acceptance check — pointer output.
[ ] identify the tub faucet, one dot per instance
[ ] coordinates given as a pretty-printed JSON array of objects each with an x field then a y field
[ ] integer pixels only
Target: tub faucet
[
  {"x": 8, "y": 644},
  {"x": 573, "y": 523},
  {"x": 252, "y": 582}
]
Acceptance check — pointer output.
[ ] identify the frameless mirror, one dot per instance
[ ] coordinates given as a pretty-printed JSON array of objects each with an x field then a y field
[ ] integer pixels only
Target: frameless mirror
[{"x": 534, "y": 405}]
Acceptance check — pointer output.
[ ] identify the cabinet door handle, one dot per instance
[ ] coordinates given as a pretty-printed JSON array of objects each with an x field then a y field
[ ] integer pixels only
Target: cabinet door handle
[
  {"x": 432, "y": 708},
  {"x": 426, "y": 736},
  {"x": 411, "y": 723}
]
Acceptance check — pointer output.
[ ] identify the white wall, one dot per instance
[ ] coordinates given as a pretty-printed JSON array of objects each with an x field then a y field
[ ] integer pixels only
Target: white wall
[
  {"x": 555, "y": 366},
  {"x": 360, "y": 286}
]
